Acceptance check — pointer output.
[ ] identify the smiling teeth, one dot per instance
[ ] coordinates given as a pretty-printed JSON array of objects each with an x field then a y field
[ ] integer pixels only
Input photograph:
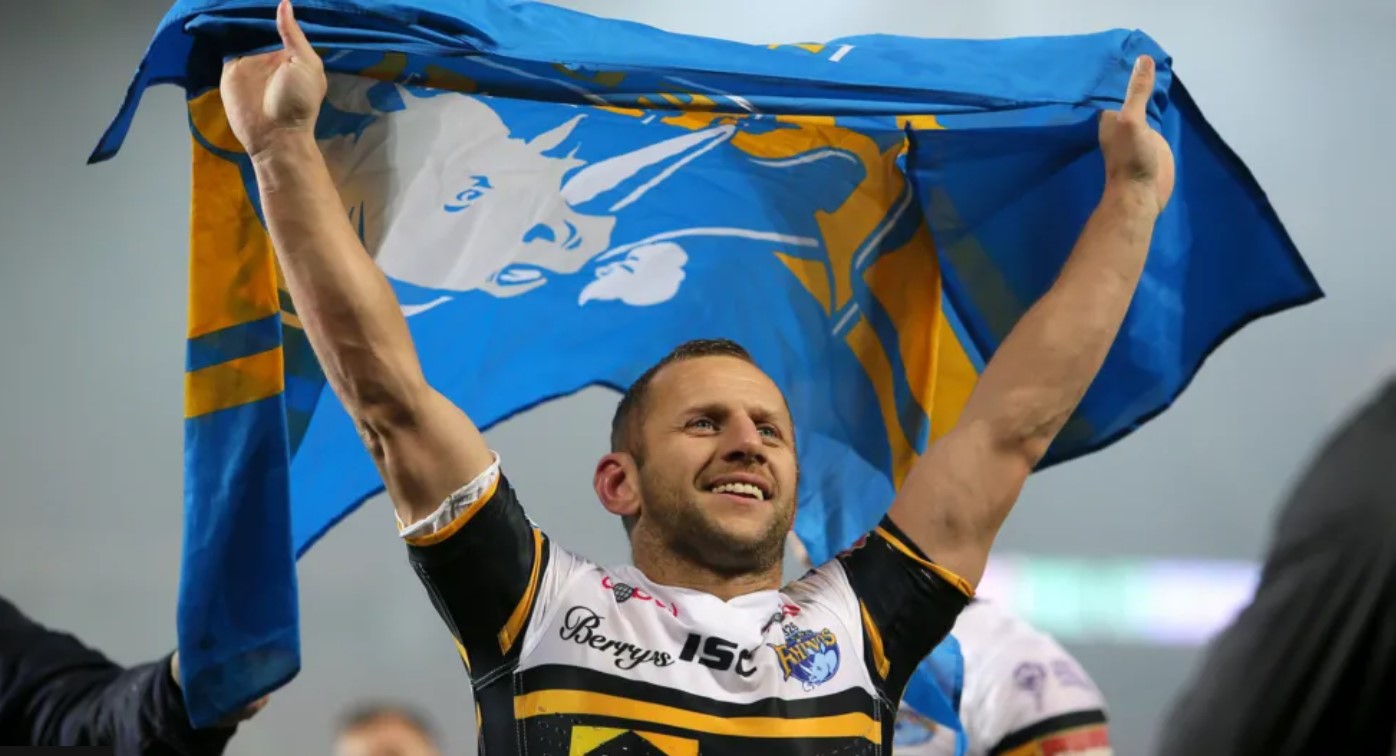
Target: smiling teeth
[{"x": 742, "y": 489}]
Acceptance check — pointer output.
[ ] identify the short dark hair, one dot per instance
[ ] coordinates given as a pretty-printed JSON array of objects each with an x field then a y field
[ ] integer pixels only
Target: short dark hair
[
  {"x": 625, "y": 424},
  {"x": 366, "y": 714}
]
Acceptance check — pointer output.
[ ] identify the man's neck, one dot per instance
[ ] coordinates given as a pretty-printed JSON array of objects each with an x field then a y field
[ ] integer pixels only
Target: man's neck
[{"x": 672, "y": 570}]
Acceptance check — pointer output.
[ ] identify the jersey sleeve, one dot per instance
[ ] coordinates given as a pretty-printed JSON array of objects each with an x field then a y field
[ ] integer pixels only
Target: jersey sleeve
[
  {"x": 1031, "y": 697},
  {"x": 908, "y": 604},
  {"x": 481, "y": 564}
]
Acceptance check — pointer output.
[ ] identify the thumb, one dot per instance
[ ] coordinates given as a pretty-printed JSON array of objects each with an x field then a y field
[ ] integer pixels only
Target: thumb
[
  {"x": 1141, "y": 88},
  {"x": 292, "y": 36}
]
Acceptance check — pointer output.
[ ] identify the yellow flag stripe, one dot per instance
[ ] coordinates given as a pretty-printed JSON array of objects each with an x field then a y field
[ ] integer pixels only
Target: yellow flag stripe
[{"x": 233, "y": 383}]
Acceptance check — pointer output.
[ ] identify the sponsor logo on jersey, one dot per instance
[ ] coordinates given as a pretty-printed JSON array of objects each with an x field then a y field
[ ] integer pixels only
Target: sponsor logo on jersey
[
  {"x": 785, "y": 611},
  {"x": 719, "y": 654},
  {"x": 808, "y": 656},
  {"x": 1031, "y": 677},
  {"x": 624, "y": 592},
  {"x": 581, "y": 625},
  {"x": 1070, "y": 675}
]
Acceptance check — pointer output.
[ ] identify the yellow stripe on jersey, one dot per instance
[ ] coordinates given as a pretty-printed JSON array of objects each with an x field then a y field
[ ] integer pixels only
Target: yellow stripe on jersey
[
  {"x": 584, "y": 703},
  {"x": 431, "y": 539},
  {"x": 514, "y": 626},
  {"x": 464, "y": 655},
  {"x": 875, "y": 641},
  {"x": 960, "y": 583},
  {"x": 586, "y": 740}
]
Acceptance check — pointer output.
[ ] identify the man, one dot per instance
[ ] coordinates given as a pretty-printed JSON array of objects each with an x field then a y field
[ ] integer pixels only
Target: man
[
  {"x": 381, "y": 730},
  {"x": 695, "y": 648},
  {"x": 1310, "y": 665},
  {"x": 1021, "y": 693},
  {"x": 55, "y": 691}
]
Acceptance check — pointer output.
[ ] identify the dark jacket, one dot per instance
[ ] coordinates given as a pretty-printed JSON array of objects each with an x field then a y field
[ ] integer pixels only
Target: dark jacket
[
  {"x": 1310, "y": 666},
  {"x": 55, "y": 691}
]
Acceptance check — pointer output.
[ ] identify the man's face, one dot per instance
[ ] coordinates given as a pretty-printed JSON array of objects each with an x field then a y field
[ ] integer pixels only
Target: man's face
[
  {"x": 384, "y": 736},
  {"x": 718, "y": 471}
]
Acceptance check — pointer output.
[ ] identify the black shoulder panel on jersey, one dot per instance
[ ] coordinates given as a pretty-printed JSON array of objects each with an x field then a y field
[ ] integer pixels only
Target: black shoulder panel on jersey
[
  {"x": 483, "y": 579},
  {"x": 908, "y": 604}
]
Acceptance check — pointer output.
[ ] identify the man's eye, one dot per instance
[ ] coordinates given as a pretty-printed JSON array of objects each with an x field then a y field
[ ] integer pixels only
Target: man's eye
[
  {"x": 769, "y": 431},
  {"x": 703, "y": 423}
]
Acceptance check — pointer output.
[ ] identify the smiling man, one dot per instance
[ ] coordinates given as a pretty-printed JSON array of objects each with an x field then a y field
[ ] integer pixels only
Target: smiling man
[{"x": 697, "y": 647}]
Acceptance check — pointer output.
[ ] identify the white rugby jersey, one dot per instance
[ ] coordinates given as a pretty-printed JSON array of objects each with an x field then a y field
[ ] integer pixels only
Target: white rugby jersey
[
  {"x": 567, "y": 657},
  {"x": 1024, "y": 695}
]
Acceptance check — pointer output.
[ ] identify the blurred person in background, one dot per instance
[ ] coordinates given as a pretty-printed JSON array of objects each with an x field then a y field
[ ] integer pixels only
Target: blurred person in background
[
  {"x": 385, "y": 730},
  {"x": 1023, "y": 694},
  {"x": 55, "y": 691},
  {"x": 1310, "y": 665}
]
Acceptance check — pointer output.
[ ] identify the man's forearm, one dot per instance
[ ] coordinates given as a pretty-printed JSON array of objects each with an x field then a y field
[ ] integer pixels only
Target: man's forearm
[
  {"x": 424, "y": 446},
  {"x": 344, "y": 302},
  {"x": 1042, "y": 370}
]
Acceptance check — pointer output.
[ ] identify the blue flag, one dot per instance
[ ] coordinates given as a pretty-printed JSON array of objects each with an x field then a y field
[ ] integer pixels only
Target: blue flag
[
  {"x": 559, "y": 199},
  {"x": 933, "y": 693}
]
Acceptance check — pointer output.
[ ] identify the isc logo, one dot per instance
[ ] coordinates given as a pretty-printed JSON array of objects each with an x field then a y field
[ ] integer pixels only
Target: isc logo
[{"x": 718, "y": 653}]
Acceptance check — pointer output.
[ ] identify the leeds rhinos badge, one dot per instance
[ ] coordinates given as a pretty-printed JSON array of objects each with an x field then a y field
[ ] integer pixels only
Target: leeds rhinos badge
[{"x": 808, "y": 656}]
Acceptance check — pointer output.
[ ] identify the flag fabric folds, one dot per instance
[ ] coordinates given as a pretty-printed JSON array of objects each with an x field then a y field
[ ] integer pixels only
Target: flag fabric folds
[{"x": 559, "y": 199}]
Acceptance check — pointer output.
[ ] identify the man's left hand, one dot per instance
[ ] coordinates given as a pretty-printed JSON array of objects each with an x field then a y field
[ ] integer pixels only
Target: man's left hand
[{"x": 1137, "y": 156}]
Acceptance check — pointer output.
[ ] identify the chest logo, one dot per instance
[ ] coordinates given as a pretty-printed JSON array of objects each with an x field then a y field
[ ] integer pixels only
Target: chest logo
[
  {"x": 624, "y": 592},
  {"x": 808, "y": 656},
  {"x": 583, "y": 626}
]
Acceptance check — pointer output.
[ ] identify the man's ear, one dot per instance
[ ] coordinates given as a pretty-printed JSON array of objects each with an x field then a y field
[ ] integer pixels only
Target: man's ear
[{"x": 617, "y": 484}]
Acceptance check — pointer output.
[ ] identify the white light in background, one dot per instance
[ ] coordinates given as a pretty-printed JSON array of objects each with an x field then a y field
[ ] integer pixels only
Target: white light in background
[{"x": 1160, "y": 602}]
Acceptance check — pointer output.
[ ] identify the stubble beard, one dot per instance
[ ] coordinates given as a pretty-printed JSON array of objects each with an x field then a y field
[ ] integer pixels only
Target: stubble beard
[{"x": 687, "y": 531}]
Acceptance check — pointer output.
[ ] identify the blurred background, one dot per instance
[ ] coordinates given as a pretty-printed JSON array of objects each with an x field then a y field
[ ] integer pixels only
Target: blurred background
[{"x": 1132, "y": 556}]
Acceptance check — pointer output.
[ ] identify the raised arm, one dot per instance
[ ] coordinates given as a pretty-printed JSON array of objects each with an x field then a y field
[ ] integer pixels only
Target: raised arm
[
  {"x": 424, "y": 446},
  {"x": 958, "y": 494}
]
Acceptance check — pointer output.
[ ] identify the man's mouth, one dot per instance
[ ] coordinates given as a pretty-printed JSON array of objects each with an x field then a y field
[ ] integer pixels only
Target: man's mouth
[{"x": 744, "y": 490}]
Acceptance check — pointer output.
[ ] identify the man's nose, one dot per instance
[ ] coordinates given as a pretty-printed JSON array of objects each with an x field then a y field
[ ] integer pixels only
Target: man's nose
[{"x": 745, "y": 443}]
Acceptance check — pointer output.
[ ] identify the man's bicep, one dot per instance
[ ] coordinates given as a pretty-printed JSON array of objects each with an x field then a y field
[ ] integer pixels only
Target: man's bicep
[
  {"x": 907, "y": 603},
  {"x": 956, "y": 496},
  {"x": 425, "y": 453},
  {"x": 482, "y": 565}
]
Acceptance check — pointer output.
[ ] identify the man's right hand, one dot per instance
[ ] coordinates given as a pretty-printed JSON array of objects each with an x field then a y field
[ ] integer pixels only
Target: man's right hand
[{"x": 274, "y": 95}]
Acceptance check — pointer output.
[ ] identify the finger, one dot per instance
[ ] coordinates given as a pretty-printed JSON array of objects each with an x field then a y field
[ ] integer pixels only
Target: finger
[
  {"x": 1141, "y": 88},
  {"x": 292, "y": 36}
]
